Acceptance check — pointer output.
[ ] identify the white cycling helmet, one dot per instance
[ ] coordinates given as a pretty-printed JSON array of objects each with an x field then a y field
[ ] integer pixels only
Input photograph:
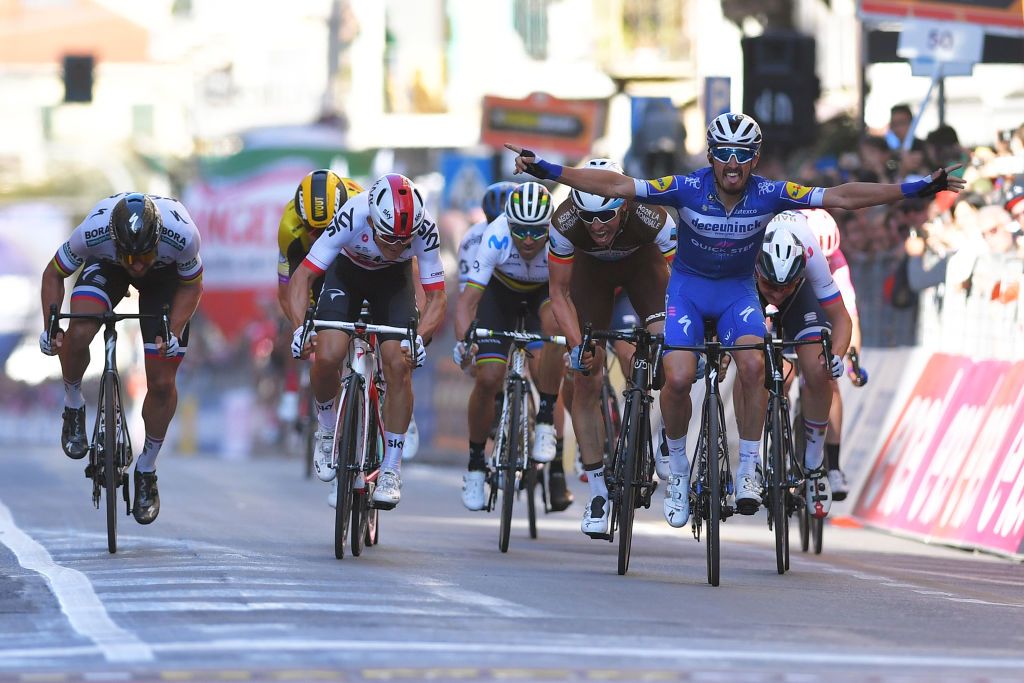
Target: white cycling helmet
[
  {"x": 825, "y": 229},
  {"x": 734, "y": 130},
  {"x": 396, "y": 207},
  {"x": 529, "y": 204},
  {"x": 593, "y": 202},
  {"x": 782, "y": 258}
]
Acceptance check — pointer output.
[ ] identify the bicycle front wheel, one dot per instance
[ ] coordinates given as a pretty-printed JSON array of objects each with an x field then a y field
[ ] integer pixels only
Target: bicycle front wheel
[
  {"x": 627, "y": 479},
  {"x": 509, "y": 460},
  {"x": 777, "y": 487},
  {"x": 346, "y": 452},
  {"x": 817, "y": 532},
  {"x": 714, "y": 493},
  {"x": 111, "y": 475}
]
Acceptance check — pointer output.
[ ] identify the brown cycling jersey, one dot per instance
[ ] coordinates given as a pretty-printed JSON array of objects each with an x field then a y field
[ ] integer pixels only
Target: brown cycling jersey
[{"x": 641, "y": 224}]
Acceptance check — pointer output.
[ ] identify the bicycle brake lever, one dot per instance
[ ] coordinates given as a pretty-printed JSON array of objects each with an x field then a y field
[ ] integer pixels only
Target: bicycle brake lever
[
  {"x": 166, "y": 320},
  {"x": 587, "y": 345},
  {"x": 52, "y": 324},
  {"x": 307, "y": 325}
]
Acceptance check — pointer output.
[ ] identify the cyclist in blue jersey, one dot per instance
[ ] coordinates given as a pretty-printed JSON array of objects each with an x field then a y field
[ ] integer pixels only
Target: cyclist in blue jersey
[{"x": 724, "y": 210}]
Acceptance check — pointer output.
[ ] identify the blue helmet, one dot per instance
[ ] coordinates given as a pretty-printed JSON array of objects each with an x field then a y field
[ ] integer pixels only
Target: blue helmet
[{"x": 495, "y": 195}]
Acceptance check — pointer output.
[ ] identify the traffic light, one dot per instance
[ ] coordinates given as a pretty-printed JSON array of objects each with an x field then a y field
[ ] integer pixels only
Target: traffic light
[
  {"x": 780, "y": 88},
  {"x": 78, "y": 78}
]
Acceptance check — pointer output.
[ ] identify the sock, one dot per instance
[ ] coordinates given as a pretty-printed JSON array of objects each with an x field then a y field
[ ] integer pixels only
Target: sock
[
  {"x": 147, "y": 461},
  {"x": 677, "y": 461},
  {"x": 814, "y": 435},
  {"x": 477, "y": 461},
  {"x": 832, "y": 454},
  {"x": 750, "y": 453},
  {"x": 556, "y": 465},
  {"x": 326, "y": 415},
  {"x": 546, "y": 409},
  {"x": 595, "y": 477},
  {"x": 73, "y": 394},
  {"x": 393, "y": 445}
]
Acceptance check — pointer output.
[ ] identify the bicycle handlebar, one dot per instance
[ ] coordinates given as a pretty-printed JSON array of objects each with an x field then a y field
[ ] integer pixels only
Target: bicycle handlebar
[
  {"x": 524, "y": 337},
  {"x": 859, "y": 372},
  {"x": 108, "y": 318}
]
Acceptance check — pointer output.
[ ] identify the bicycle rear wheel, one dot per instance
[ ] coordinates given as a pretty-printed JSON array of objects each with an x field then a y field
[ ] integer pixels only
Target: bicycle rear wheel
[
  {"x": 534, "y": 471},
  {"x": 612, "y": 418},
  {"x": 713, "y": 455},
  {"x": 508, "y": 462},
  {"x": 111, "y": 475},
  {"x": 346, "y": 445},
  {"x": 776, "y": 486},
  {"x": 817, "y": 532},
  {"x": 627, "y": 480}
]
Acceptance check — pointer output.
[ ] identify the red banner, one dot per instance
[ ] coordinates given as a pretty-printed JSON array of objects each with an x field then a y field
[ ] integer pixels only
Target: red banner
[
  {"x": 1004, "y": 14},
  {"x": 951, "y": 468}
]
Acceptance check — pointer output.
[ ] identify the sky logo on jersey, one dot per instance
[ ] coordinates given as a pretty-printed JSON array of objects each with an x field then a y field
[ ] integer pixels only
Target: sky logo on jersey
[
  {"x": 798, "y": 193},
  {"x": 495, "y": 243},
  {"x": 662, "y": 185}
]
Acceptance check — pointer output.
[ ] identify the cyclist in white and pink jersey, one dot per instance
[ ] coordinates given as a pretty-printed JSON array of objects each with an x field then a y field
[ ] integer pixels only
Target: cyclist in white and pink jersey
[
  {"x": 366, "y": 253},
  {"x": 827, "y": 232}
]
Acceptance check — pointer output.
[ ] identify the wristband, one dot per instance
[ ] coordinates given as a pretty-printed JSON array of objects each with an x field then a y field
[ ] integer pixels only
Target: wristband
[
  {"x": 926, "y": 187},
  {"x": 912, "y": 188},
  {"x": 544, "y": 170}
]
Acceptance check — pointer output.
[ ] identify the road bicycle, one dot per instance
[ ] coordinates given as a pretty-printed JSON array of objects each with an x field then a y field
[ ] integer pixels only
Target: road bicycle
[
  {"x": 358, "y": 443},
  {"x": 630, "y": 475},
  {"x": 110, "y": 448},
  {"x": 510, "y": 467}
]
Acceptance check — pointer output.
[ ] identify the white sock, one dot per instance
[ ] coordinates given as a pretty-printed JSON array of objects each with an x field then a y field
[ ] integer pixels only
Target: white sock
[
  {"x": 596, "y": 480},
  {"x": 393, "y": 446},
  {"x": 750, "y": 454},
  {"x": 677, "y": 461},
  {"x": 326, "y": 415},
  {"x": 73, "y": 394},
  {"x": 814, "y": 437},
  {"x": 147, "y": 461}
]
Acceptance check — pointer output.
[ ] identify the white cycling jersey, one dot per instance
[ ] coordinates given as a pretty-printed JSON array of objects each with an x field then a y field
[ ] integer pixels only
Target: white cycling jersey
[
  {"x": 496, "y": 255},
  {"x": 467, "y": 251},
  {"x": 817, "y": 272},
  {"x": 841, "y": 274},
  {"x": 351, "y": 234},
  {"x": 93, "y": 238}
]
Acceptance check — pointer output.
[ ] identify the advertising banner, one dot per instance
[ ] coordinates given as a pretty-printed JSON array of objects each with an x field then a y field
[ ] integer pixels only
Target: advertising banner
[
  {"x": 542, "y": 122},
  {"x": 1002, "y": 15}
]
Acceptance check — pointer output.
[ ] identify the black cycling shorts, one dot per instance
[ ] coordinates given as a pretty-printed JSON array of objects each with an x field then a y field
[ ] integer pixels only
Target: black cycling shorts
[
  {"x": 498, "y": 309},
  {"x": 802, "y": 315},
  {"x": 388, "y": 292},
  {"x": 107, "y": 282}
]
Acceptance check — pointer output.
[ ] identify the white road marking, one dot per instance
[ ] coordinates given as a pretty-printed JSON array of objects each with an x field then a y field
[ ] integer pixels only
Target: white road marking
[
  {"x": 225, "y": 568},
  {"x": 75, "y": 594},
  {"x": 462, "y": 596},
  {"x": 197, "y": 606},
  {"x": 243, "y": 594}
]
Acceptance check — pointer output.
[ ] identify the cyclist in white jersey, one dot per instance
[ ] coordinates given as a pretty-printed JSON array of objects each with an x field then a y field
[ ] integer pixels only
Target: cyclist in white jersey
[
  {"x": 152, "y": 244},
  {"x": 493, "y": 205},
  {"x": 366, "y": 253},
  {"x": 723, "y": 212},
  {"x": 509, "y": 273},
  {"x": 824, "y": 226}
]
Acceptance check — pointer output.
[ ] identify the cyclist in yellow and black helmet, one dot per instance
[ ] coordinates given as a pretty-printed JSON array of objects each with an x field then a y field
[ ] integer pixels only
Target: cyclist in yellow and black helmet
[{"x": 317, "y": 199}]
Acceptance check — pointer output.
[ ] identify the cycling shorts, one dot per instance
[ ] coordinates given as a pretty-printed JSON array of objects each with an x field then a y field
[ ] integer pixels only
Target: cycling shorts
[
  {"x": 388, "y": 292},
  {"x": 691, "y": 298},
  {"x": 624, "y": 316},
  {"x": 802, "y": 315},
  {"x": 498, "y": 308},
  {"x": 643, "y": 276},
  {"x": 108, "y": 283}
]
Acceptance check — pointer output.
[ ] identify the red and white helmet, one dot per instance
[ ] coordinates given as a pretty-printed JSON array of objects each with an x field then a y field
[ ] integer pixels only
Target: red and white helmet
[
  {"x": 396, "y": 206},
  {"x": 824, "y": 228}
]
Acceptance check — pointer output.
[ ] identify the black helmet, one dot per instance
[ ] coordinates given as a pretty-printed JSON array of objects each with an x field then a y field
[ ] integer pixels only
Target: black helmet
[{"x": 136, "y": 225}]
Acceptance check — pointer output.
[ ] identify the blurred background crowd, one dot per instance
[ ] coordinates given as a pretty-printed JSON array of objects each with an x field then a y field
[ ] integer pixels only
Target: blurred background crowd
[{"x": 227, "y": 110}]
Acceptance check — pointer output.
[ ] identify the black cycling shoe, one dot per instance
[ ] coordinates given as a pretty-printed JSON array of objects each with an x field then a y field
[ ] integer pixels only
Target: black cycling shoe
[
  {"x": 559, "y": 495},
  {"x": 147, "y": 497},
  {"x": 72, "y": 433}
]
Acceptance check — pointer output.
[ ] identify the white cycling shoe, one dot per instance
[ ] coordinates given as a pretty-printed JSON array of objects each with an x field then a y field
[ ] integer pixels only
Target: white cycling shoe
[
  {"x": 748, "y": 490},
  {"x": 544, "y": 446},
  {"x": 473, "y": 489},
  {"x": 661, "y": 459},
  {"x": 819, "y": 494},
  {"x": 837, "y": 482},
  {"x": 595, "y": 518},
  {"x": 323, "y": 455},
  {"x": 676, "y": 505},
  {"x": 389, "y": 490}
]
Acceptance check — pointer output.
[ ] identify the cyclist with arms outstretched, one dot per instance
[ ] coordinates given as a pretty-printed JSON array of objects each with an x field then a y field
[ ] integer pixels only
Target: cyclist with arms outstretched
[
  {"x": 366, "y": 254},
  {"x": 724, "y": 210},
  {"x": 127, "y": 240}
]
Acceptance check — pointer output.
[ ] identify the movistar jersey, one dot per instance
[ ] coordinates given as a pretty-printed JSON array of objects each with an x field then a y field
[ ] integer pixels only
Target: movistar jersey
[{"x": 712, "y": 242}]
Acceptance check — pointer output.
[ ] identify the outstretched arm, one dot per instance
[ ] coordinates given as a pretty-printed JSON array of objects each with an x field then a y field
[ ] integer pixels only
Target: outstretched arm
[
  {"x": 860, "y": 195},
  {"x": 592, "y": 180}
]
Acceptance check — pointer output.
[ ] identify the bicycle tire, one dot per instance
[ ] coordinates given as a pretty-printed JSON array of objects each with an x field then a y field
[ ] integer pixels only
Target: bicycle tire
[
  {"x": 533, "y": 470},
  {"x": 776, "y": 485},
  {"x": 612, "y": 418},
  {"x": 345, "y": 458},
  {"x": 111, "y": 475},
  {"x": 361, "y": 506},
  {"x": 714, "y": 493},
  {"x": 507, "y": 460},
  {"x": 627, "y": 478},
  {"x": 309, "y": 424},
  {"x": 817, "y": 532}
]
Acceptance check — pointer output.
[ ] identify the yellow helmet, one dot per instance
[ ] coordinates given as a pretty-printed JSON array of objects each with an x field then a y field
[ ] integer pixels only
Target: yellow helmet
[{"x": 319, "y": 196}]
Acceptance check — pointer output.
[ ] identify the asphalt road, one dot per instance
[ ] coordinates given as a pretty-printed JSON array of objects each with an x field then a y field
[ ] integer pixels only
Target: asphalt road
[{"x": 237, "y": 580}]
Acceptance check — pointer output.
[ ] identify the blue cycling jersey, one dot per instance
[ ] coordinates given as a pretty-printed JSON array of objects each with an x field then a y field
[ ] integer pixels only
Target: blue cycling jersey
[{"x": 712, "y": 242}]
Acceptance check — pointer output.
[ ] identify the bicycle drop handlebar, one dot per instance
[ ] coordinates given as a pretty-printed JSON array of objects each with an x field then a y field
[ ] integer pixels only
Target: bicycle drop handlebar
[
  {"x": 108, "y": 318},
  {"x": 359, "y": 329}
]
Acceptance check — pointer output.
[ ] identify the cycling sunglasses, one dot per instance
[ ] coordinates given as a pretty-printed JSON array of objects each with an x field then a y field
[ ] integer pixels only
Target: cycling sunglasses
[
  {"x": 521, "y": 232},
  {"x": 743, "y": 154},
  {"x": 395, "y": 240},
  {"x": 144, "y": 258},
  {"x": 597, "y": 216}
]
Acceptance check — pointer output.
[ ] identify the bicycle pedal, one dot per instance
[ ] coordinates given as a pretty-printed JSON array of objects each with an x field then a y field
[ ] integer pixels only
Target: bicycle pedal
[
  {"x": 600, "y": 537},
  {"x": 747, "y": 507},
  {"x": 727, "y": 512},
  {"x": 377, "y": 505}
]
